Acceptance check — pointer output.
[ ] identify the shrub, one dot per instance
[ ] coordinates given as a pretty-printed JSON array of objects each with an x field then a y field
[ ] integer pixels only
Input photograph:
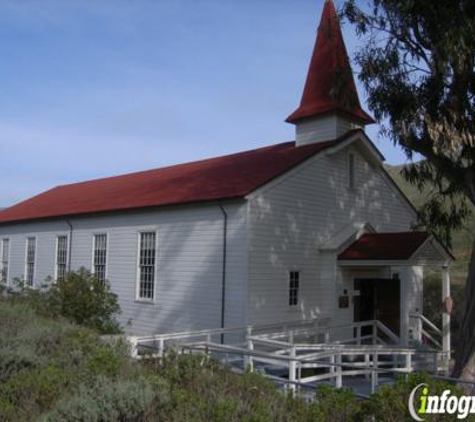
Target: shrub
[
  {"x": 390, "y": 403},
  {"x": 30, "y": 391},
  {"x": 52, "y": 370},
  {"x": 337, "y": 405},
  {"x": 123, "y": 400},
  {"x": 16, "y": 358},
  {"x": 80, "y": 297},
  {"x": 42, "y": 360}
]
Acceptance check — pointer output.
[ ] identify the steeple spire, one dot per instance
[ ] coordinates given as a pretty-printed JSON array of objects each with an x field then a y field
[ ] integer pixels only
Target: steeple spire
[{"x": 330, "y": 87}]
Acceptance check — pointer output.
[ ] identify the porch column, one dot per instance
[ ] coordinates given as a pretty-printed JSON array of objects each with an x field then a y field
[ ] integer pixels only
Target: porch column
[
  {"x": 404, "y": 274},
  {"x": 446, "y": 312}
]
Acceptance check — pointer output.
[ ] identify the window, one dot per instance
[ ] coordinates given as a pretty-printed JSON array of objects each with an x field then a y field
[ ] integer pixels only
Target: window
[
  {"x": 30, "y": 261},
  {"x": 5, "y": 255},
  {"x": 100, "y": 257},
  {"x": 294, "y": 286},
  {"x": 146, "y": 270},
  {"x": 351, "y": 170},
  {"x": 61, "y": 256}
]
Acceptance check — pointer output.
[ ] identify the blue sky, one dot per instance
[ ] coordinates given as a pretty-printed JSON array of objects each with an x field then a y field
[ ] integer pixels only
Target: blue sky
[{"x": 90, "y": 88}]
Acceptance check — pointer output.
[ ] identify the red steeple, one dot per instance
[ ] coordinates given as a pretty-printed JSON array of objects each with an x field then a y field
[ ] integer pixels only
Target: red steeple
[{"x": 330, "y": 86}]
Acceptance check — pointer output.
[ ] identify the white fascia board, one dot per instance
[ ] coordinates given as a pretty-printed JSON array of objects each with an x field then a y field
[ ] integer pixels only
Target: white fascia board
[
  {"x": 375, "y": 157},
  {"x": 346, "y": 236},
  {"x": 284, "y": 176}
]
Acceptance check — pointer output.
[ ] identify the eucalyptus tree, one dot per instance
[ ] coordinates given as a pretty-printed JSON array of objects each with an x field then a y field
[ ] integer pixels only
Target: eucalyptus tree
[{"x": 417, "y": 64}]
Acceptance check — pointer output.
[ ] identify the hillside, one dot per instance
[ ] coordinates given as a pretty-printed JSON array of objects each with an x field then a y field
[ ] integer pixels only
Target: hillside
[{"x": 462, "y": 239}]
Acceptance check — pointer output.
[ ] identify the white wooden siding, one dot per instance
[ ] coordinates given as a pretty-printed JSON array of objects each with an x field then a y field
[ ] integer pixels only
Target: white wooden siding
[
  {"x": 280, "y": 228},
  {"x": 293, "y": 216},
  {"x": 429, "y": 254},
  {"x": 189, "y": 263},
  {"x": 323, "y": 128}
]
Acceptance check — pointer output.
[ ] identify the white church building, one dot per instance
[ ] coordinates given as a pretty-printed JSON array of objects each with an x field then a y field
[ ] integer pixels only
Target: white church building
[{"x": 293, "y": 231}]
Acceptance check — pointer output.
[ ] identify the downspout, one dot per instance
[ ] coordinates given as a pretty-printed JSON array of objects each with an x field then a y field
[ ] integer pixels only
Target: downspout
[
  {"x": 223, "y": 277},
  {"x": 70, "y": 245}
]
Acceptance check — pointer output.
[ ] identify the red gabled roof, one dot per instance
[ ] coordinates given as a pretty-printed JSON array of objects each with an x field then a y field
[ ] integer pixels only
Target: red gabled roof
[
  {"x": 385, "y": 246},
  {"x": 330, "y": 86},
  {"x": 231, "y": 176}
]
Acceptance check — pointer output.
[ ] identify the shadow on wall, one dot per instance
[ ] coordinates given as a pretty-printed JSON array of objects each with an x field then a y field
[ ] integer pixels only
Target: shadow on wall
[{"x": 290, "y": 222}]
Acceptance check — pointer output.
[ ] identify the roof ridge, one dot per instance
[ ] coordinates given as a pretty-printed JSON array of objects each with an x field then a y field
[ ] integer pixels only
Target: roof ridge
[
  {"x": 213, "y": 179},
  {"x": 171, "y": 166}
]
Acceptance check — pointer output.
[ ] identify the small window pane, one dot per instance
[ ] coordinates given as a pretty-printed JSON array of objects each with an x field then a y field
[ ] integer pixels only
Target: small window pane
[
  {"x": 61, "y": 256},
  {"x": 30, "y": 261},
  {"x": 100, "y": 256},
  {"x": 294, "y": 286},
  {"x": 147, "y": 265},
  {"x": 5, "y": 255}
]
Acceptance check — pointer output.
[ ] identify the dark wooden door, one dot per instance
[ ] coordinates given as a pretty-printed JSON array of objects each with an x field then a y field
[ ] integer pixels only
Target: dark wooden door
[
  {"x": 378, "y": 299},
  {"x": 388, "y": 303},
  {"x": 365, "y": 303}
]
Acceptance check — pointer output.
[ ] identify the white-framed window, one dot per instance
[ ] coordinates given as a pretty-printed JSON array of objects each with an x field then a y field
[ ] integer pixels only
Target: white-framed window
[
  {"x": 146, "y": 267},
  {"x": 61, "y": 257},
  {"x": 5, "y": 259},
  {"x": 99, "y": 265},
  {"x": 294, "y": 288},
  {"x": 351, "y": 170},
  {"x": 30, "y": 261}
]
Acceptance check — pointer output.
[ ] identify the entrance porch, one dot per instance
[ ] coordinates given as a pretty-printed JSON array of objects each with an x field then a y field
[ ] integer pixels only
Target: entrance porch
[{"x": 383, "y": 273}]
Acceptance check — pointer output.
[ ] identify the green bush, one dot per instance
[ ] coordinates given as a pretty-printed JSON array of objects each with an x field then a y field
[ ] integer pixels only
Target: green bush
[
  {"x": 390, "y": 403},
  {"x": 80, "y": 298},
  {"x": 29, "y": 392},
  {"x": 43, "y": 360},
  {"x": 122, "y": 400},
  {"x": 53, "y": 370},
  {"x": 337, "y": 405}
]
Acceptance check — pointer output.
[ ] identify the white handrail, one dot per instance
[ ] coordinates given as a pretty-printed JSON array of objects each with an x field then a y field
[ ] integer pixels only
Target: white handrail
[
  {"x": 284, "y": 325},
  {"x": 387, "y": 331},
  {"x": 331, "y": 360},
  {"x": 428, "y": 322}
]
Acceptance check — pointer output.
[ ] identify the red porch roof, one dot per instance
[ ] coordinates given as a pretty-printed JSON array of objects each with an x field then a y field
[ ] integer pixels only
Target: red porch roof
[{"x": 384, "y": 246}]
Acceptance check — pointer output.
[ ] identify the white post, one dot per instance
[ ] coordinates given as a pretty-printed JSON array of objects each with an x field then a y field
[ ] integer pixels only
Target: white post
[
  {"x": 406, "y": 279},
  {"x": 419, "y": 329},
  {"x": 446, "y": 315},
  {"x": 250, "y": 347},
  {"x": 408, "y": 362},
  {"x": 366, "y": 364},
  {"x": 292, "y": 370},
  {"x": 134, "y": 353},
  {"x": 339, "y": 370},
  {"x": 161, "y": 348},
  {"x": 291, "y": 337},
  {"x": 374, "y": 373}
]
